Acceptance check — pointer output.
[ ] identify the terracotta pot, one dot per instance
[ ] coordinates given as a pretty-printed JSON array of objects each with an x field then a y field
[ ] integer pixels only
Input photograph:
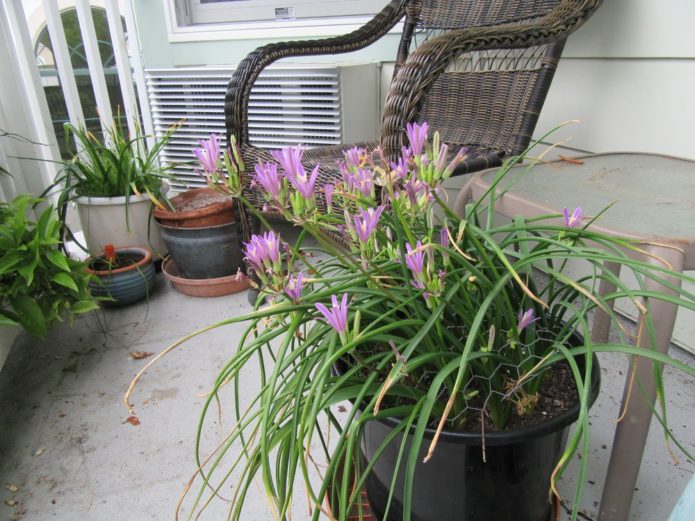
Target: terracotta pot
[
  {"x": 204, "y": 287},
  {"x": 197, "y": 208}
]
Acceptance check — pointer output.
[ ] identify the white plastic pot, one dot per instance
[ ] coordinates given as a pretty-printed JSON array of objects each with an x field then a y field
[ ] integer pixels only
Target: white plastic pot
[{"x": 104, "y": 222}]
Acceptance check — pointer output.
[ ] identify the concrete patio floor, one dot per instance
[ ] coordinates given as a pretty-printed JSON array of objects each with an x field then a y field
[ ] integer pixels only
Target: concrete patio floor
[{"x": 68, "y": 453}]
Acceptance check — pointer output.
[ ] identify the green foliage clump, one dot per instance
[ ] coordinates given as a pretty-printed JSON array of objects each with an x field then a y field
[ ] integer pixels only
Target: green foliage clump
[
  {"x": 39, "y": 284},
  {"x": 116, "y": 166}
]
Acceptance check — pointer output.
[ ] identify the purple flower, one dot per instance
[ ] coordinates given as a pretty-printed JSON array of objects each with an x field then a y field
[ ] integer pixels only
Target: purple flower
[
  {"x": 293, "y": 288},
  {"x": 444, "y": 237},
  {"x": 400, "y": 168},
  {"x": 526, "y": 318},
  {"x": 406, "y": 153},
  {"x": 209, "y": 154},
  {"x": 272, "y": 245},
  {"x": 415, "y": 258},
  {"x": 254, "y": 253},
  {"x": 415, "y": 189},
  {"x": 267, "y": 176},
  {"x": 360, "y": 180},
  {"x": 417, "y": 135},
  {"x": 455, "y": 162},
  {"x": 290, "y": 159},
  {"x": 353, "y": 157},
  {"x": 364, "y": 182},
  {"x": 417, "y": 284},
  {"x": 366, "y": 222},
  {"x": 337, "y": 315},
  {"x": 304, "y": 184},
  {"x": 574, "y": 220},
  {"x": 328, "y": 190},
  {"x": 441, "y": 159}
]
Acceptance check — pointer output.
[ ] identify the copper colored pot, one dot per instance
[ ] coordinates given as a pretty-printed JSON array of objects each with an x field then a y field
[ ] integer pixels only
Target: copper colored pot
[{"x": 197, "y": 208}]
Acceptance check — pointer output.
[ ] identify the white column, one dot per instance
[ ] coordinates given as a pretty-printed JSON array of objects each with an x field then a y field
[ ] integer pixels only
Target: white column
[
  {"x": 96, "y": 70},
  {"x": 139, "y": 70},
  {"x": 34, "y": 96},
  {"x": 125, "y": 78},
  {"x": 63, "y": 63}
]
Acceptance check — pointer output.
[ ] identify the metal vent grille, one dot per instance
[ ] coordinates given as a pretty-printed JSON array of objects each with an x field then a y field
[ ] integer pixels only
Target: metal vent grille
[{"x": 288, "y": 106}]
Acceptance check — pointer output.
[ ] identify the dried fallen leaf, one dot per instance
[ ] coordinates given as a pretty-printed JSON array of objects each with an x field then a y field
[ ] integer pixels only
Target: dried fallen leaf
[
  {"x": 10, "y": 502},
  {"x": 139, "y": 355},
  {"x": 133, "y": 420},
  {"x": 11, "y": 487},
  {"x": 571, "y": 160},
  {"x": 40, "y": 451}
]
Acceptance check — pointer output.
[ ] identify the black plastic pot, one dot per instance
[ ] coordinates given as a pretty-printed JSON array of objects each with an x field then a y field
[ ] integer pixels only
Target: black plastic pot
[
  {"x": 205, "y": 253},
  {"x": 457, "y": 485}
]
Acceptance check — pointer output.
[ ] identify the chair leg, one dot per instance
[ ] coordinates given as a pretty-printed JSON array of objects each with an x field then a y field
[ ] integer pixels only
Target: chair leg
[
  {"x": 462, "y": 199},
  {"x": 601, "y": 324},
  {"x": 631, "y": 432}
]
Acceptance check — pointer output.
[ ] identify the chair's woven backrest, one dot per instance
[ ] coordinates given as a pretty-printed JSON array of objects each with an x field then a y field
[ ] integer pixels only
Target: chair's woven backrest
[
  {"x": 491, "y": 99},
  {"x": 488, "y": 98},
  {"x": 446, "y": 14}
]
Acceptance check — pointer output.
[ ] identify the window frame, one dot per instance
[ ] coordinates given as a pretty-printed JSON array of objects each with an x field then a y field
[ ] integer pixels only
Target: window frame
[{"x": 179, "y": 30}]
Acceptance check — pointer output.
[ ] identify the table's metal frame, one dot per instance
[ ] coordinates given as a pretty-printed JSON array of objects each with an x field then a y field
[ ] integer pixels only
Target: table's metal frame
[{"x": 636, "y": 407}]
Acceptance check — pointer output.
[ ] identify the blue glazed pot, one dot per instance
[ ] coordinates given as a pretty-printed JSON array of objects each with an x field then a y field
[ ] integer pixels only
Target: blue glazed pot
[{"x": 127, "y": 284}]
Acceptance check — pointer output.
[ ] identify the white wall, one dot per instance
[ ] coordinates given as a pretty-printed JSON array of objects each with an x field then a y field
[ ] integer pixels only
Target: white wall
[{"x": 628, "y": 76}]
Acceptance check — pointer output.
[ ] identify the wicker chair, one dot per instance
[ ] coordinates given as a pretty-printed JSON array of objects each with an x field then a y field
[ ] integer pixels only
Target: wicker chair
[{"x": 477, "y": 71}]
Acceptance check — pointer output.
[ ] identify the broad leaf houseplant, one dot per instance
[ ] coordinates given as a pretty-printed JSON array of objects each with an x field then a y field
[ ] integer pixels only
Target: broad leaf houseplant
[
  {"x": 39, "y": 284},
  {"x": 450, "y": 337}
]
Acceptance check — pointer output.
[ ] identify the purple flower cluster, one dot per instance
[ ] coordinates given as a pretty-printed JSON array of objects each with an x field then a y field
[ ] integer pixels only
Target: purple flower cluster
[
  {"x": 358, "y": 179},
  {"x": 290, "y": 159},
  {"x": 417, "y": 190},
  {"x": 354, "y": 157},
  {"x": 263, "y": 252}
]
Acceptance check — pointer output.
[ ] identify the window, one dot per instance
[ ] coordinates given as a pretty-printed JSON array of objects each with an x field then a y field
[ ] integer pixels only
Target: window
[
  {"x": 237, "y": 19},
  {"x": 43, "y": 50},
  {"x": 216, "y": 11}
]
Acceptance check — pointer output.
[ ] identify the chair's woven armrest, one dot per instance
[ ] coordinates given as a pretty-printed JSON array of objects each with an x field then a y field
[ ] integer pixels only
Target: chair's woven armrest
[
  {"x": 239, "y": 88},
  {"x": 426, "y": 63}
]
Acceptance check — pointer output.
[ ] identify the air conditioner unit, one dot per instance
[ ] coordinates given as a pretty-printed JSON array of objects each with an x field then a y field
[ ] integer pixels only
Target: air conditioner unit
[{"x": 289, "y": 105}]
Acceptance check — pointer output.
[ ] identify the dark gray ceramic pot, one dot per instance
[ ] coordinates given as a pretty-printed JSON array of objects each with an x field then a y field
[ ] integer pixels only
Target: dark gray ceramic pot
[{"x": 207, "y": 252}]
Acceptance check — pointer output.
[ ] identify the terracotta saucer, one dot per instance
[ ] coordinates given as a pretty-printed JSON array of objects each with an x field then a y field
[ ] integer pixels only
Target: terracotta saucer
[{"x": 204, "y": 287}]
